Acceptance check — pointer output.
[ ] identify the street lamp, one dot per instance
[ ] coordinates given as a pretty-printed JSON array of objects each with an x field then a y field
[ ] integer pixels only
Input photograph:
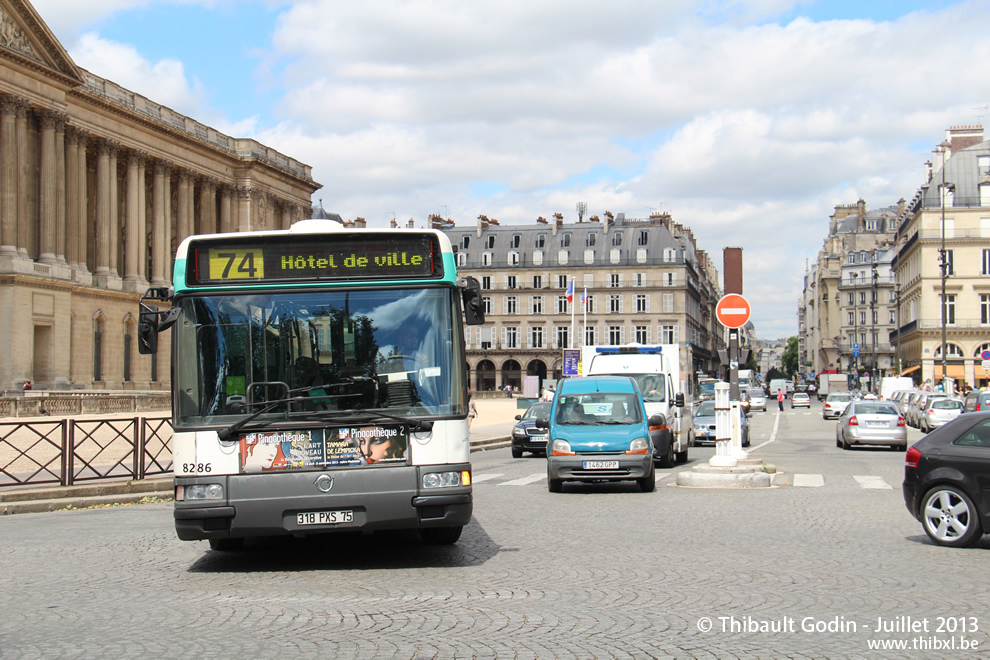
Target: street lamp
[
  {"x": 873, "y": 330},
  {"x": 855, "y": 358},
  {"x": 943, "y": 262}
]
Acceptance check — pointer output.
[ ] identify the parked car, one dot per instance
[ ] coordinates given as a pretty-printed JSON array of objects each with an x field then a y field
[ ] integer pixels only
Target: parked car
[
  {"x": 800, "y": 400},
  {"x": 835, "y": 405},
  {"x": 704, "y": 425},
  {"x": 939, "y": 412},
  {"x": 525, "y": 435},
  {"x": 871, "y": 423},
  {"x": 757, "y": 399},
  {"x": 913, "y": 416},
  {"x": 976, "y": 401},
  {"x": 945, "y": 477},
  {"x": 599, "y": 431},
  {"x": 905, "y": 403}
]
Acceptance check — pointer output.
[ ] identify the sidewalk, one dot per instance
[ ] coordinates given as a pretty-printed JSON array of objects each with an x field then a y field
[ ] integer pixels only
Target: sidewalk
[{"x": 491, "y": 429}]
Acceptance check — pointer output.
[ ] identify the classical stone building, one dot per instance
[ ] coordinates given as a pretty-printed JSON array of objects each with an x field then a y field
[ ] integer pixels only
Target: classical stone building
[
  {"x": 952, "y": 206},
  {"x": 849, "y": 301},
  {"x": 646, "y": 282},
  {"x": 98, "y": 185}
]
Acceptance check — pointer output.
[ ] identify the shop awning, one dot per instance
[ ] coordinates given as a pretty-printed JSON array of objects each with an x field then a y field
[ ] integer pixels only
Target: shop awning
[{"x": 910, "y": 369}]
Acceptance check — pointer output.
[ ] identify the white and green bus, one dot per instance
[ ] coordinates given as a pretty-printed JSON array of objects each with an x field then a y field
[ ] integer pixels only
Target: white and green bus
[{"x": 318, "y": 382}]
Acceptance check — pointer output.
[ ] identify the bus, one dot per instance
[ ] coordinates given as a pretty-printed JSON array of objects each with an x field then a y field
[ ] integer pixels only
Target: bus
[{"x": 319, "y": 382}]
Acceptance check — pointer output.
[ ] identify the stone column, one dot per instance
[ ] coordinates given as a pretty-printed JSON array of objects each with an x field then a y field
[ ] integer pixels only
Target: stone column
[
  {"x": 81, "y": 202},
  {"x": 103, "y": 204},
  {"x": 132, "y": 222},
  {"x": 114, "y": 212},
  {"x": 72, "y": 196},
  {"x": 60, "y": 192},
  {"x": 143, "y": 237},
  {"x": 160, "y": 233},
  {"x": 8, "y": 176},
  {"x": 244, "y": 208},
  {"x": 191, "y": 206},
  {"x": 207, "y": 206},
  {"x": 47, "y": 188},
  {"x": 182, "y": 221},
  {"x": 23, "y": 223},
  {"x": 226, "y": 217}
]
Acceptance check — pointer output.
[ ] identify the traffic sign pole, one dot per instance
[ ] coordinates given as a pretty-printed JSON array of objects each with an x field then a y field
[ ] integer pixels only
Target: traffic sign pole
[{"x": 733, "y": 312}]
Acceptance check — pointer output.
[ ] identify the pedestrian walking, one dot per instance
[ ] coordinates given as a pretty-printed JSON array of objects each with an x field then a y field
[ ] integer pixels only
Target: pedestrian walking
[
  {"x": 472, "y": 410},
  {"x": 780, "y": 399}
]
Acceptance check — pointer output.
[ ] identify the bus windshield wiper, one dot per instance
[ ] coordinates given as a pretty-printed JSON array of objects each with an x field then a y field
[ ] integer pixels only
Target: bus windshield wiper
[
  {"x": 417, "y": 424},
  {"x": 290, "y": 397}
]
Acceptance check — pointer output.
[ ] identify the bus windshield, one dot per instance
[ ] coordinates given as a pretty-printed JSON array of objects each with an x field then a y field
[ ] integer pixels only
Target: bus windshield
[{"x": 397, "y": 351}]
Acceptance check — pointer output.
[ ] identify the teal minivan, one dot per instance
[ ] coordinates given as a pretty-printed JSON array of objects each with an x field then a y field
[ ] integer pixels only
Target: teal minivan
[{"x": 599, "y": 431}]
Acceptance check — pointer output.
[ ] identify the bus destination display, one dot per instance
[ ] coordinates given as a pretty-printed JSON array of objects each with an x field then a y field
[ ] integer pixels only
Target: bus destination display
[{"x": 345, "y": 257}]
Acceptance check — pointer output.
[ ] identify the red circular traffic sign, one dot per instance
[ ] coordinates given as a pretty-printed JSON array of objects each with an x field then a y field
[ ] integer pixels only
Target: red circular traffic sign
[{"x": 733, "y": 310}]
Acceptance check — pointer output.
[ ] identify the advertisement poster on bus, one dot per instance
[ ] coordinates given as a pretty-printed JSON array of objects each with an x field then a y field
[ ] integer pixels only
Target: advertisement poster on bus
[{"x": 314, "y": 449}]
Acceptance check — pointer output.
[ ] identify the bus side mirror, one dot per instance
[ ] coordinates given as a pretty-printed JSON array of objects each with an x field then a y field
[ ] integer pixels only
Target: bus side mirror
[
  {"x": 679, "y": 400},
  {"x": 542, "y": 423},
  {"x": 474, "y": 311},
  {"x": 148, "y": 330}
]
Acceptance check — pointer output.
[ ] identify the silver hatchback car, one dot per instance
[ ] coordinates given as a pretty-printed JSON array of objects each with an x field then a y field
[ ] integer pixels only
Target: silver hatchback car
[
  {"x": 871, "y": 423},
  {"x": 835, "y": 404}
]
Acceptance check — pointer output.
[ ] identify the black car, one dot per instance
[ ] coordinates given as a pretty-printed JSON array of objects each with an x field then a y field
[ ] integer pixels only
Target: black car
[
  {"x": 945, "y": 477},
  {"x": 525, "y": 436}
]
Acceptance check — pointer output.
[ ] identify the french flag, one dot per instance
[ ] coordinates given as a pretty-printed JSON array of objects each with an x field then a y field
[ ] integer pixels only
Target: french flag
[
  {"x": 584, "y": 296},
  {"x": 570, "y": 292}
]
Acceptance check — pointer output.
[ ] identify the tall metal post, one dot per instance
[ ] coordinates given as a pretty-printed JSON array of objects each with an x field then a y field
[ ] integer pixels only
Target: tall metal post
[{"x": 944, "y": 265}]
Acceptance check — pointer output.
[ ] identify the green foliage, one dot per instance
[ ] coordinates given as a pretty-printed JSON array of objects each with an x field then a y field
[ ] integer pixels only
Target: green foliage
[{"x": 790, "y": 358}]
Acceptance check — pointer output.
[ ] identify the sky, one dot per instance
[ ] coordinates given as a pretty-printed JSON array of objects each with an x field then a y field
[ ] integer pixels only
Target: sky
[{"x": 747, "y": 120}]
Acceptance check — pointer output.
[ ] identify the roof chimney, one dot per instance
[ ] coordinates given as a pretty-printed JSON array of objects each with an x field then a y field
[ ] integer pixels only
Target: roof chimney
[{"x": 960, "y": 137}]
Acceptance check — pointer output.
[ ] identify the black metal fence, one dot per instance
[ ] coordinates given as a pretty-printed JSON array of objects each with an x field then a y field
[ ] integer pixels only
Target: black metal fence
[{"x": 71, "y": 451}]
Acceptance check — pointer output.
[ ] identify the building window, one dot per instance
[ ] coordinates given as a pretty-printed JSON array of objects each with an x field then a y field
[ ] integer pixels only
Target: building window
[
  {"x": 592, "y": 304},
  {"x": 591, "y": 335},
  {"x": 985, "y": 268},
  {"x": 670, "y": 279},
  {"x": 641, "y": 256},
  {"x": 538, "y": 258},
  {"x": 862, "y": 318},
  {"x": 565, "y": 240},
  {"x": 642, "y": 333},
  {"x": 536, "y": 337},
  {"x": 893, "y": 318},
  {"x": 465, "y": 242},
  {"x": 852, "y": 298},
  {"x": 510, "y": 305},
  {"x": 486, "y": 301},
  {"x": 615, "y": 304},
  {"x": 562, "y": 257},
  {"x": 669, "y": 254},
  {"x": 589, "y": 256},
  {"x": 562, "y": 281},
  {"x": 617, "y": 238},
  {"x": 486, "y": 259},
  {"x": 614, "y": 280},
  {"x": 892, "y": 297},
  {"x": 490, "y": 243},
  {"x": 614, "y": 256},
  {"x": 949, "y": 264},
  {"x": 562, "y": 305},
  {"x": 984, "y": 309},
  {"x": 536, "y": 305},
  {"x": 615, "y": 335},
  {"x": 127, "y": 356},
  {"x": 486, "y": 282},
  {"x": 561, "y": 336},
  {"x": 644, "y": 237},
  {"x": 875, "y": 316},
  {"x": 851, "y": 318},
  {"x": 510, "y": 337},
  {"x": 515, "y": 242},
  {"x": 640, "y": 279},
  {"x": 592, "y": 239},
  {"x": 513, "y": 258},
  {"x": 541, "y": 240},
  {"x": 98, "y": 351},
  {"x": 642, "y": 303},
  {"x": 486, "y": 337},
  {"x": 949, "y": 305},
  {"x": 668, "y": 334},
  {"x": 461, "y": 259},
  {"x": 668, "y": 303},
  {"x": 862, "y": 297},
  {"x": 537, "y": 281},
  {"x": 510, "y": 281}
]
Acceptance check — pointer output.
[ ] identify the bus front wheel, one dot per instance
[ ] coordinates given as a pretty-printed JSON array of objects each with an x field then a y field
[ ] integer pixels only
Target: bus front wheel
[{"x": 440, "y": 535}]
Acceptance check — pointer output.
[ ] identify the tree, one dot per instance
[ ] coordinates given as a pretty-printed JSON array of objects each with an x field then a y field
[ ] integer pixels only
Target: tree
[{"x": 790, "y": 358}]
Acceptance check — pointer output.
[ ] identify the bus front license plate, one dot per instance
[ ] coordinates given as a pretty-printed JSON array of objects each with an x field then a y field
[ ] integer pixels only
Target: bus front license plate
[
  {"x": 601, "y": 465},
  {"x": 324, "y": 517}
]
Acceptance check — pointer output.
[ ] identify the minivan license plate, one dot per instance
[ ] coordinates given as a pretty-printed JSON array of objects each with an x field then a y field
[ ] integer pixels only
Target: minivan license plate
[
  {"x": 324, "y": 517},
  {"x": 601, "y": 465}
]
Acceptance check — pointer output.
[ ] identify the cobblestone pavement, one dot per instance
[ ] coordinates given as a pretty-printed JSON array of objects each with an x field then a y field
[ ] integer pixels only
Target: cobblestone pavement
[{"x": 803, "y": 570}]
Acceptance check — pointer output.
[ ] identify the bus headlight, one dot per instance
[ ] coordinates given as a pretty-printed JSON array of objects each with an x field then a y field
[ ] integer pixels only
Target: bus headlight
[
  {"x": 199, "y": 492},
  {"x": 446, "y": 479}
]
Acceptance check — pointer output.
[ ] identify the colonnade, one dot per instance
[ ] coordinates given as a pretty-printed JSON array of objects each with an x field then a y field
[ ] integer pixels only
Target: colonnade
[{"x": 77, "y": 203}]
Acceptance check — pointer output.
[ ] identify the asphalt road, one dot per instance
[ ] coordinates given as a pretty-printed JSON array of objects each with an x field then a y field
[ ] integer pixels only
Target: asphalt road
[{"x": 824, "y": 564}]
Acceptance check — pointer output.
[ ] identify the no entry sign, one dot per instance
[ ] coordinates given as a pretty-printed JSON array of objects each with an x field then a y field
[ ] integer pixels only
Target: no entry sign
[{"x": 732, "y": 311}]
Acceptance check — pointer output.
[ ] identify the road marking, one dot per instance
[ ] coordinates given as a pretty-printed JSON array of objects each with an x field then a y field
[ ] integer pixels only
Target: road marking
[
  {"x": 873, "y": 482},
  {"x": 773, "y": 434},
  {"x": 808, "y": 480},
  {"x": 485, "y": 477},
  {"x": 539, "y": 476}
]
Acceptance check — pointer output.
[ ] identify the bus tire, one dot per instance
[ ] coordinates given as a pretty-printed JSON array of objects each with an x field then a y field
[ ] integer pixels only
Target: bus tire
[{"x": 440, "y": 535}]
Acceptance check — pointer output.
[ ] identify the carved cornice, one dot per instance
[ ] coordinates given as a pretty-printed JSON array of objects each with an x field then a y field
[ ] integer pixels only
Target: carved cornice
[{"x": 12, "y": 37}]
